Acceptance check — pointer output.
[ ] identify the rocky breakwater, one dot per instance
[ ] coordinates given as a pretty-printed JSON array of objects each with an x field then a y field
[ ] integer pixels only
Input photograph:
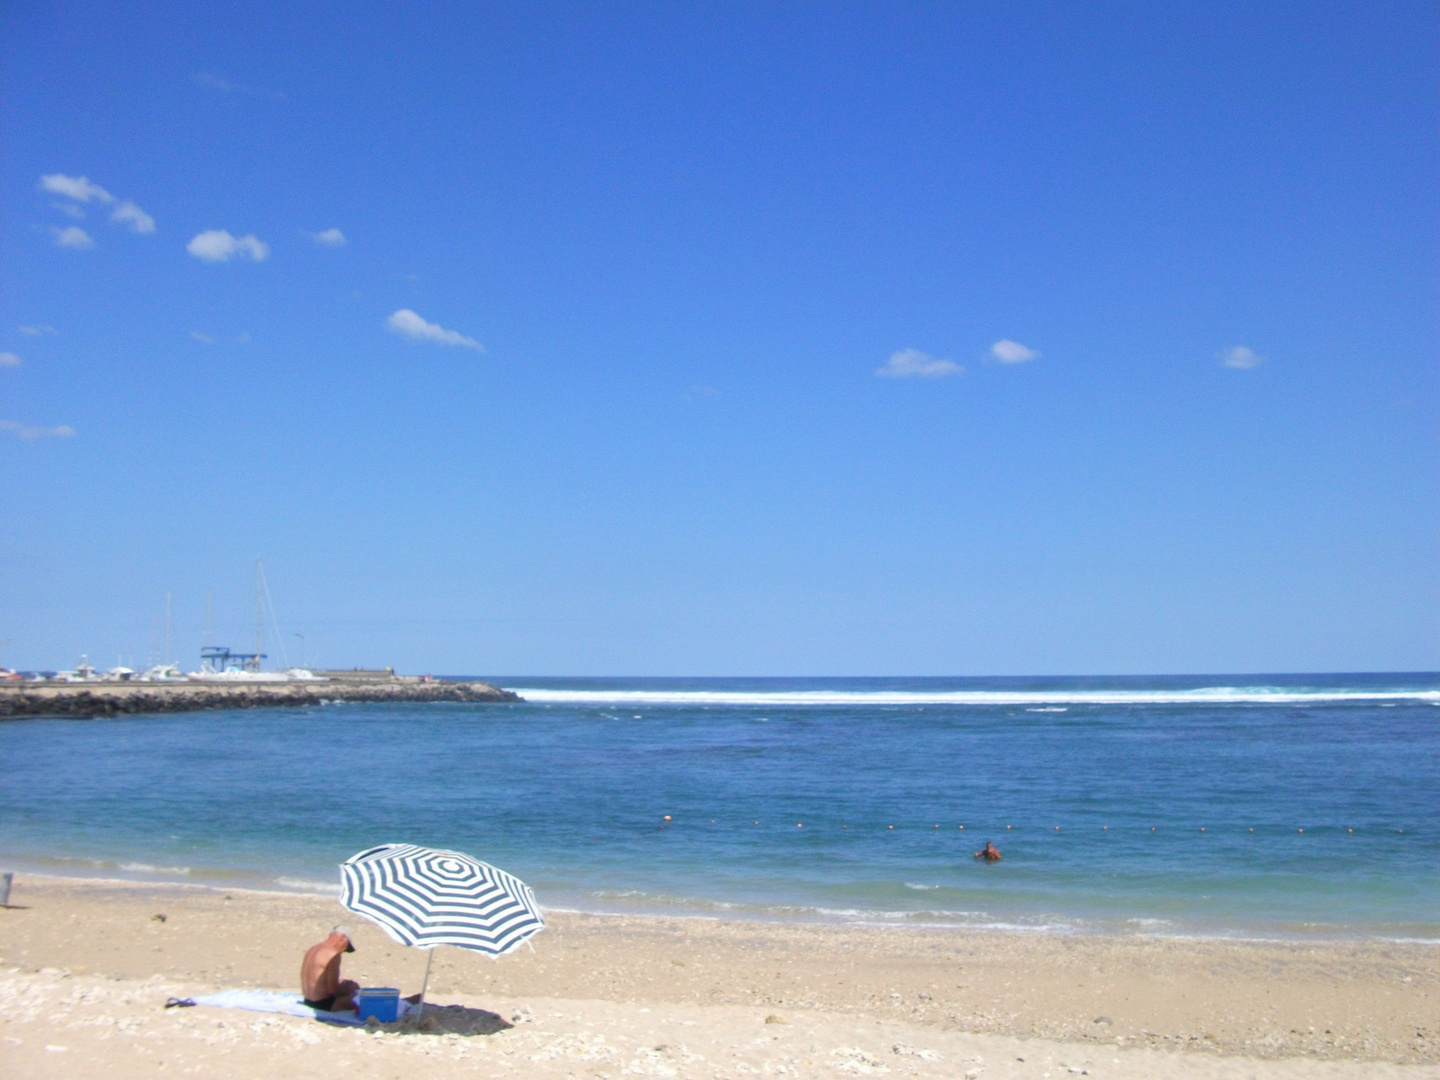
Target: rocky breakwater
[{"x": 88, "y": 700}]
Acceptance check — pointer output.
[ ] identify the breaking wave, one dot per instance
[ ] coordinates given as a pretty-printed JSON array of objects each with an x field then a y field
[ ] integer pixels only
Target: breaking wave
[{"x": 1210, "y": 695}]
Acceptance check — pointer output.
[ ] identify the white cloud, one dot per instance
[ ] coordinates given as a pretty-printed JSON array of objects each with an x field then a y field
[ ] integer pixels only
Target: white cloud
[
  {"x": 9, "y": 359},
  {"x": 914, "y": 364},
  {"x": 69, "y": 209},
  {"x": 411, "y": 325},
  {"x": 30, "y": 433},
  {"x": 219, "y": 82},
  {"x": 79, "y": 188},
  {"x": 73, "y": 237},
  {"x": 127, "y": 213},
  {"x": 213, "y": 81},
  {"x": 1012, "y": 352},
  {"x": 83, "y": 189},
  {"x": 36, "y": 331},
  {"x": 1239, "y": 356},
  {"x": 329, "y": 238},
  {"x": 204, "y": 339},
  {"x": 217, "y": 245}
]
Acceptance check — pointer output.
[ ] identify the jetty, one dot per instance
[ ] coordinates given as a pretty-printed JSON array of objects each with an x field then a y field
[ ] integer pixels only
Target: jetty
[{"x": 101, "y": 698}]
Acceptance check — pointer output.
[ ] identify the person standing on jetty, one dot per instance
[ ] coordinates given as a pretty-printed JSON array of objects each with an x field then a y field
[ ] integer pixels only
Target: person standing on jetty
[{"x": 320, "y": 981}]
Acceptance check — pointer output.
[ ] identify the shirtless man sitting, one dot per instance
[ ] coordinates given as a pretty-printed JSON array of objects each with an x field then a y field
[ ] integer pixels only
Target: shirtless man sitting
[
  {"x": 990, "y": 854},
  {"x": 320, "y": 975}
]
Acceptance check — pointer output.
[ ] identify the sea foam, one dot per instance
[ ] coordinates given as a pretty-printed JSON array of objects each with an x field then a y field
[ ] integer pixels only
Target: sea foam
[{"x": 1210, "y": 695}]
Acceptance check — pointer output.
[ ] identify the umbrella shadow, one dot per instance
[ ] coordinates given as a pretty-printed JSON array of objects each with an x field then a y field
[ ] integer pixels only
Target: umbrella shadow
[{"x": 447, "y": 1020}]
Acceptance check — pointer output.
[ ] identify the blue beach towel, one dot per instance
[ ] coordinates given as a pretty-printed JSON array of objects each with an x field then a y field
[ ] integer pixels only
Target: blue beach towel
[{"x": 276, "y": 1001}]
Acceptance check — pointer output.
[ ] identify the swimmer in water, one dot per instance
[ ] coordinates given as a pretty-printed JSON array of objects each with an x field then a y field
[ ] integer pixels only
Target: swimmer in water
[{"x": 990, "y": 854}]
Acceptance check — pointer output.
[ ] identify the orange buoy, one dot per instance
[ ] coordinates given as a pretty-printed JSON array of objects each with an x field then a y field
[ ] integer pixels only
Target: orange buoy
[
  {"x": 892, "y": 826},
  {"x": 1202, "y": 828},
  {"x": 962, "y": 826},
  {"x": 1349, "y": 830},
  {"x": 799, "y": 825},
  {"x": 667, "y": 817},
  {"x": 1299, "y": 830}
]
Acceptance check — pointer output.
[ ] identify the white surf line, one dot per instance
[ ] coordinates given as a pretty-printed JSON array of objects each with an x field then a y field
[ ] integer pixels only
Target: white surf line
[{"x": 1202, "y": 696}]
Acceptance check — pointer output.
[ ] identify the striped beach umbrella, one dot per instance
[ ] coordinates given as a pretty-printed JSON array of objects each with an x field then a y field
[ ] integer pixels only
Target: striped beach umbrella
[{"x": 426, "y": 897}]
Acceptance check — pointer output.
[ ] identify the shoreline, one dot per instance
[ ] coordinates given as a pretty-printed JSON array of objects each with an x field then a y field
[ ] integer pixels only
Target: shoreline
[
  {"x": 753, "y": 914},
  {"x": 97, "y": 700},
  {"x": 1115, "y": 1006}
]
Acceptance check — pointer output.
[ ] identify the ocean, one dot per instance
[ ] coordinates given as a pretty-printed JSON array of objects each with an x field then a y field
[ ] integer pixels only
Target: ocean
[{"x": 1253, "y": 806}]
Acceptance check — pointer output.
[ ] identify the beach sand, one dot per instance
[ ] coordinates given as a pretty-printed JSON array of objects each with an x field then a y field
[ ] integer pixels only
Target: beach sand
[{"x": 85, "y": 968}]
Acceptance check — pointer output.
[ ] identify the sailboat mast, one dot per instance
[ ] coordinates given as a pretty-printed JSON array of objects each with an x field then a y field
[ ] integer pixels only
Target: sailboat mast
[
  {"x": 268, "y": 602},
  {"x": 259, "y": 614}
]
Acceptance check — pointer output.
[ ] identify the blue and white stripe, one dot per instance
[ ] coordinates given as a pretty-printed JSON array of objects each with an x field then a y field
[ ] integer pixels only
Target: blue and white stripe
[{"x": 426, "y": 897}]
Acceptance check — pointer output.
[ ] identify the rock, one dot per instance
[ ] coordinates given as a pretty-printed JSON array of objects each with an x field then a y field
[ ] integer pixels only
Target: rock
[
  {"x": 906, "y": 1050},
  {"x": 115, "y": 699}
]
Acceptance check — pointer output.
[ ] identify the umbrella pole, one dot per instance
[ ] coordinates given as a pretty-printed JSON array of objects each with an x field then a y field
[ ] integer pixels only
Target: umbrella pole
[{"x": 420, "y": 1009}]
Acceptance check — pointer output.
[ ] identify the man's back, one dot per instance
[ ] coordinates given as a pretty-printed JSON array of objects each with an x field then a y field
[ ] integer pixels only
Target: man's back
[{"x": 320, "y": 981}]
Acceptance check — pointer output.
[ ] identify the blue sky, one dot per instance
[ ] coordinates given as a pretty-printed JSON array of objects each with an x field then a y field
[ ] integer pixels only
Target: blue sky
[{"x": 723, "y": 338}]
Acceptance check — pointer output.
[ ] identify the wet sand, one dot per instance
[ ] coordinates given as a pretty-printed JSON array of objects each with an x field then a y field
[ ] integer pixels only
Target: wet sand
[{"x": 85, "y": 968}]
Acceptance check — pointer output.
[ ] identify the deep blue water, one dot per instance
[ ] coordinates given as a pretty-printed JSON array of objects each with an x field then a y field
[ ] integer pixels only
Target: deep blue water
[{"x": 800, "y": 798}]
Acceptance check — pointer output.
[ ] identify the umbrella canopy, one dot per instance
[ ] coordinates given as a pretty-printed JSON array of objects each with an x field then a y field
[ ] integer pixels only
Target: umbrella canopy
[{"x": 425, "y": 897}]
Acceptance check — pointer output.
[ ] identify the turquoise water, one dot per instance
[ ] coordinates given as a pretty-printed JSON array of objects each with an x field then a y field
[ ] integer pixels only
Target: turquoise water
[{"x": 828, "y": 799}]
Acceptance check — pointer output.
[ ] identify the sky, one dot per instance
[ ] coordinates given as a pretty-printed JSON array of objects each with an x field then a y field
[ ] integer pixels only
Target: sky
[{"x": 722, "y": 339}]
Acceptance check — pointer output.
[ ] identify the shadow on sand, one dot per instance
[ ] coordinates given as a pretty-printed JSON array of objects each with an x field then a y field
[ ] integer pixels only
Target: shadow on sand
[{"x": 446, "y": 1020}]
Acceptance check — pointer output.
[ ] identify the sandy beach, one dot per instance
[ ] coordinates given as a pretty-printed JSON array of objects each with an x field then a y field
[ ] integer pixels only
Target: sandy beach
[{"x": 86, "y": 966}]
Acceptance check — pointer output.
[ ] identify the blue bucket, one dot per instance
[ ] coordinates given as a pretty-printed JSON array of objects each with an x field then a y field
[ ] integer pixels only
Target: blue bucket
[{"x": 381, "y": 1002}]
